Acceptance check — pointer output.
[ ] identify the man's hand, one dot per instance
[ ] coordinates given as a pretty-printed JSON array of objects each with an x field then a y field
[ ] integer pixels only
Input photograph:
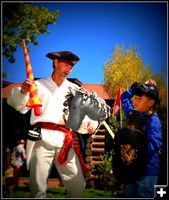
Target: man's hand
[
  {"x": 90, "y": 127},
  {"x": 25, "y": 86}
]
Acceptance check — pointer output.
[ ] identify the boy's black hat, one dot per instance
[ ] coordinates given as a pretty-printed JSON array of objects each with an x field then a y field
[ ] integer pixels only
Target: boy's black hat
[
  {"x": 148, "y": 90},
  {"x": 64, "y": 56}
]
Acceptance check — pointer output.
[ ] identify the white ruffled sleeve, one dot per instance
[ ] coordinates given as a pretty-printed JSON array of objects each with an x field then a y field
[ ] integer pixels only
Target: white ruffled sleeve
[{"x": 17, "y": 100}]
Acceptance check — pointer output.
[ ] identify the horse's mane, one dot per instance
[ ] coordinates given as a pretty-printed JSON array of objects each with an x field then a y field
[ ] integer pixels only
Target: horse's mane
[{"x": 79, "y": 102}]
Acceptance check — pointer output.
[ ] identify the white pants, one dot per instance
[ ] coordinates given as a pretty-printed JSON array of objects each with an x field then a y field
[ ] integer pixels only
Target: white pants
[{"x": 42, "y": 159}]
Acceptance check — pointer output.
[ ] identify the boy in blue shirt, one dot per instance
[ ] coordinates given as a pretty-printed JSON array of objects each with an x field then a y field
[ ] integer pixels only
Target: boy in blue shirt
[{"x": 146, "y": 98}]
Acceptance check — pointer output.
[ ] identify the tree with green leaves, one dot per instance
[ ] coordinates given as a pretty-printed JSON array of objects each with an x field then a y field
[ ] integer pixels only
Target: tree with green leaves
[
  {"x": 122, "y": 69},
  {"x": 125, "y": 67},
  {"x": 23, "y": 21}
]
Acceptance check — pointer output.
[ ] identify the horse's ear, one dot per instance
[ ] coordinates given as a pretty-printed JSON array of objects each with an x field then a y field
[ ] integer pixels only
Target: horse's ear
[{"x": 72, "y": 91}]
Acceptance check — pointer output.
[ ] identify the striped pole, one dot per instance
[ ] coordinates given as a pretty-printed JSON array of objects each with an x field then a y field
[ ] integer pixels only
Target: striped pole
[{"x": 34, "y": 101}]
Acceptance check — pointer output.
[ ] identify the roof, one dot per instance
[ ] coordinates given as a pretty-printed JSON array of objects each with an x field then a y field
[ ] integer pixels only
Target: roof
[{"x": 98, "y": 88}]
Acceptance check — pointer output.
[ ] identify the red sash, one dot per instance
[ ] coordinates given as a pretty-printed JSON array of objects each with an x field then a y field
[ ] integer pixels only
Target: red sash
[{"x": 70, "y": 140}]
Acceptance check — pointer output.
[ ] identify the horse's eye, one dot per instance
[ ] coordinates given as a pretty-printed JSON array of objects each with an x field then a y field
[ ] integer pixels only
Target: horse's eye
[{"x": 74, "y": 107}]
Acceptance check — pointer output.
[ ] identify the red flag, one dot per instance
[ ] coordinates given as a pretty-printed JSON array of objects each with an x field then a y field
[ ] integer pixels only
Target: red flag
[{"x": 117, "y": 103}]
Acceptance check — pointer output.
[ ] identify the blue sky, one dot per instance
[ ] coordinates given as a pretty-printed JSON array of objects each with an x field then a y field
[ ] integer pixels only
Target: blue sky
[{"x": 91, "y": 30}]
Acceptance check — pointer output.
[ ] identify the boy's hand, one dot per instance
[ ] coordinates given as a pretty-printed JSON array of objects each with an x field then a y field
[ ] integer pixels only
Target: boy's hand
[
  {"x": 90, "y": 127},
  {"x": 151, "y": 82}
]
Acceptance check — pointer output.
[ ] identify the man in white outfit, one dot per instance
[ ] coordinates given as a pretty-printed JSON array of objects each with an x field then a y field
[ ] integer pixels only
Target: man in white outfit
[{"x": 52, "y": 92}]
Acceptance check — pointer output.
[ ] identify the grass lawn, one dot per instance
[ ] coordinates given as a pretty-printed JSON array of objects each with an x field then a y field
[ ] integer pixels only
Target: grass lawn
[{"x": 23, "y": 192}]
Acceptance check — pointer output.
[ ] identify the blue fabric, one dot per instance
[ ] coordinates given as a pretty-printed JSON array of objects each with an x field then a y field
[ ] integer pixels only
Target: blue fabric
[{"x": 144, "y": 188}]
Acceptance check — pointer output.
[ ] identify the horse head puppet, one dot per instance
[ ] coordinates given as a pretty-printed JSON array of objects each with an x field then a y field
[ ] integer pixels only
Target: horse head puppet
[{"x": 79, "y": 102}]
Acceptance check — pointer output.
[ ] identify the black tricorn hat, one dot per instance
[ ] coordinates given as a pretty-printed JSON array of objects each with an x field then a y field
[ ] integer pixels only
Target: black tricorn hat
[
  {"x": 147, "y": 90},
  {"x": 65, "y": 56}
]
